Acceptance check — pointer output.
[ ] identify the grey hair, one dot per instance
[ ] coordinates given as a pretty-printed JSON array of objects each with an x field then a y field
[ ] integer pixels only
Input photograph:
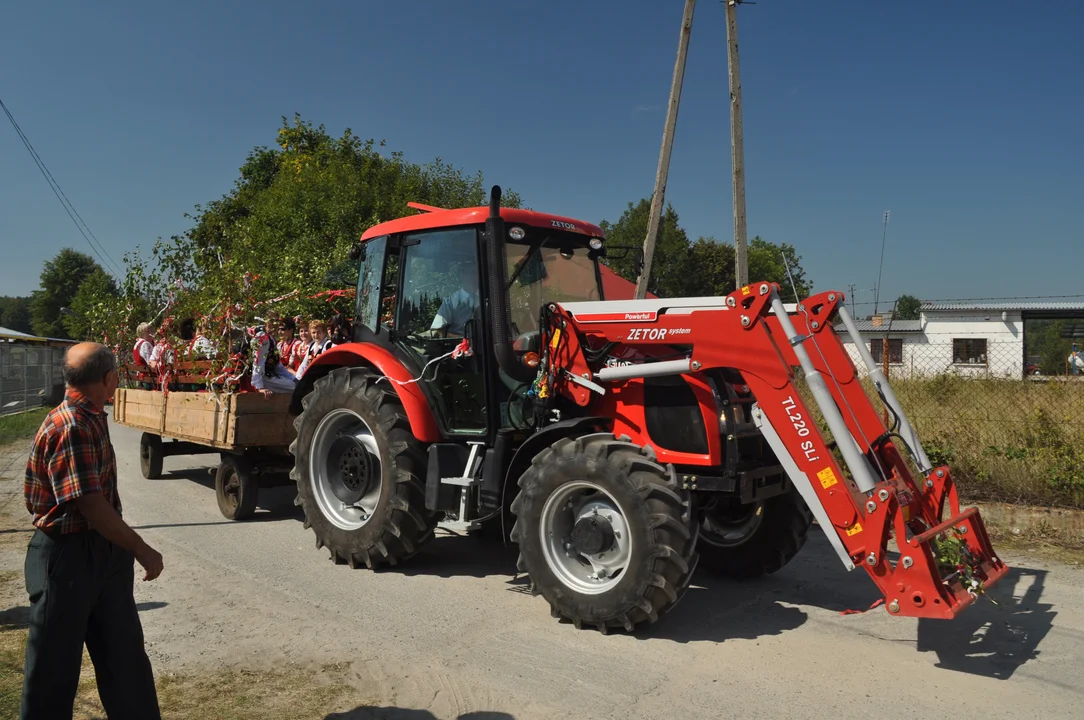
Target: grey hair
[{"x": 92, "y": 370}]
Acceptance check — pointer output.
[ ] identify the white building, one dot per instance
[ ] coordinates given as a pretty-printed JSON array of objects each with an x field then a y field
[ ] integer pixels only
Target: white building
[{"x": 967, "y": 338}]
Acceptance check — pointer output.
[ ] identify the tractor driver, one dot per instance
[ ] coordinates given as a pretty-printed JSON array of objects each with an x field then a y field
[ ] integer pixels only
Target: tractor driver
[{"x": 457, "y": 308}]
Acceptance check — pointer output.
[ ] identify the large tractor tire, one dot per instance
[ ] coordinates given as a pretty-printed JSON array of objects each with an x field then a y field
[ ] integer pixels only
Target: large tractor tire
[
  {"x": 359, "y": 471},
  {"x": 604, "y": 532},
  {"x": 747, "y": 541}
]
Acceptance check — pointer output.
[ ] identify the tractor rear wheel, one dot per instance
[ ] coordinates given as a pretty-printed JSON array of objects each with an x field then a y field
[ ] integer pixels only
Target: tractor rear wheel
[
  {"x": 747, "y": 541},
  {"x": 604, "y": 532},
  {"x": 359, "y": 471}
]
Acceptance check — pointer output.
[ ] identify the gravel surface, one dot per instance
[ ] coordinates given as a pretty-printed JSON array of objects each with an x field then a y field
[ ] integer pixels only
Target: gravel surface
[{"x": 455, "y": 632}]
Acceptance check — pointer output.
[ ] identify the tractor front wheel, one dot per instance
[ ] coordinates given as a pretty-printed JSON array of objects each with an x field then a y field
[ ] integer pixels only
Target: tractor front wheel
[
  {"x": 604, "y": 532},
  {"x": 746, "y": 541},
  {"x": 359, "y": 471}
]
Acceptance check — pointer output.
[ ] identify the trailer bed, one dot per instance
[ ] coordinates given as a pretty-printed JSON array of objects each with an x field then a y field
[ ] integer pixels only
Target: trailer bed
[{"x": 229, "y": 422}]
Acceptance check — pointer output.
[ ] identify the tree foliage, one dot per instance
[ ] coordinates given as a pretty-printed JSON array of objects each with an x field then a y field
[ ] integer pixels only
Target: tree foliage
[
  {"x": 283, "y": 233},
  {"x": 1046, "y": 345},
  {"x": 907, "y": 307},
  {"x": 92, "y": 307},
  {"x": 15, "y": 313},
  {"x": 60, "y": 281},
  {"x": 703, "y": 268}
]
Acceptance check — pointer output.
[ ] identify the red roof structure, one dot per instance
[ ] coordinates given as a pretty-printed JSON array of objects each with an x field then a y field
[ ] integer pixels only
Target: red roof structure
[{"x": 616, "y": 287}]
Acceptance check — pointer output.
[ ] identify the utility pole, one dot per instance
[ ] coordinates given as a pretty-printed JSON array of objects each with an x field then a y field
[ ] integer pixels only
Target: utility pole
[
  {"x": 877, "y": 295},
  {"x": 737, "y": 149},
  {"x": 664, "y": 153}
]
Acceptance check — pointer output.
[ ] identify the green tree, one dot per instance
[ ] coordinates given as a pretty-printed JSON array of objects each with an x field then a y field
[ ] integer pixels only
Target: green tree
[
  {"x": 907, "y": 307},
  {"x": 671, "y": 261},
  {"x": 15, "y": 313},
  {"x": 60, "y": 280},
  {"x": 766, "y": 262},
  {"x": 280, "y": 235},
  {"x": 702, "y": 268},
  {"x": 1044, "y": 343},
  {"x": 92, "y": 307}
]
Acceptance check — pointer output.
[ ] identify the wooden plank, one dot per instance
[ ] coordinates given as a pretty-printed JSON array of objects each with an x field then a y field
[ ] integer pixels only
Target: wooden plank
[
  {"x": 229, "y": 422},
  {"x": 263, "y": 429},
  {"x": 256, "y": 404}
]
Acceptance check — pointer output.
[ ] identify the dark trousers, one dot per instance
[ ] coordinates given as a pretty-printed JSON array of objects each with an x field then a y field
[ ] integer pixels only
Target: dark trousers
[{"x": 80, "y": 588}]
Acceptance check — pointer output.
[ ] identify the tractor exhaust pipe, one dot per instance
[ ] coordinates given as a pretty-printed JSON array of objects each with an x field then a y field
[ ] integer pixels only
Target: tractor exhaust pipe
[{"x": 500, "y": 314}]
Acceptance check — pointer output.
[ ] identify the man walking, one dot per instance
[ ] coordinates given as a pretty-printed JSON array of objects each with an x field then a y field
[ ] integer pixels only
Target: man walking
[{"x": 79, "y": 570}]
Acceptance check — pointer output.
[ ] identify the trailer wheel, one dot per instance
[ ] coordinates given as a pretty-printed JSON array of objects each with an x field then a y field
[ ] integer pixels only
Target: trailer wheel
[
  {"x": 236, "y": 488},
  {"x": 604, "y": 532},
  {"x": 150, "y": 455},
  {"x": 360, "y": 470},
  {"x": 747, "y": 541}
]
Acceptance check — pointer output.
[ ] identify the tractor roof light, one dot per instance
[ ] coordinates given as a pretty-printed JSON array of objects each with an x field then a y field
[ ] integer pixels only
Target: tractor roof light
[
  {"x": 595, "y": 243},
  {"x": 517, "y": 233}
]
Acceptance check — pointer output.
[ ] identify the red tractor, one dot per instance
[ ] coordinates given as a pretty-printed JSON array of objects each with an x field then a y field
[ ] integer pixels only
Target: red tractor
[{"x": 619, "y": 444}]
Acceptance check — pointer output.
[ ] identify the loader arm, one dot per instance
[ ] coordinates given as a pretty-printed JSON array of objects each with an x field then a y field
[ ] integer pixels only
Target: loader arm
[{"x": 869, "y": 500}]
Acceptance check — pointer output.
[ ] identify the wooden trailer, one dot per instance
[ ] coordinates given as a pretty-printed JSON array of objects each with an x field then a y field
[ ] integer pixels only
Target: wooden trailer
[{"x": 250, "y": 432}]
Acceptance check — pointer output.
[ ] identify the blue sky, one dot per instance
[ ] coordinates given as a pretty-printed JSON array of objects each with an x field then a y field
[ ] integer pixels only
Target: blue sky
[{"x": 964, "y": 119}]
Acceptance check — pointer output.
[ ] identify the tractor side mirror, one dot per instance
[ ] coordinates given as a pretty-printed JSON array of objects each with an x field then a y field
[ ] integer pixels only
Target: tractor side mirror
[
  {"x": 357, "y": 251},
  {"x": 620, "y": 252}
]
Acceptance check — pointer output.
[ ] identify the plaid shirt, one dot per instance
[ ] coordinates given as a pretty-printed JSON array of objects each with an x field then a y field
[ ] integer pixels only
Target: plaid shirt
[{"x": 72, "y": 457}]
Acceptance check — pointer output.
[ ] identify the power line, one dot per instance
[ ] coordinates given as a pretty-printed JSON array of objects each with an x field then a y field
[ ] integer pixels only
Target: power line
[{"x": 55, "y": 187}]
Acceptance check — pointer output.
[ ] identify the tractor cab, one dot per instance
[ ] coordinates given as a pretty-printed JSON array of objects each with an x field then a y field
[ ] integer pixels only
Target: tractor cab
[{"x": 426, "y": 284}]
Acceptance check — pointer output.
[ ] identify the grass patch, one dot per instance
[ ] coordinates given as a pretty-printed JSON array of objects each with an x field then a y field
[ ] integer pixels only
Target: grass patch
[
  {"x": 1011, "y": 441},
  {"x": 222, "y": 695},
  {"x": 21, "y": 425}
]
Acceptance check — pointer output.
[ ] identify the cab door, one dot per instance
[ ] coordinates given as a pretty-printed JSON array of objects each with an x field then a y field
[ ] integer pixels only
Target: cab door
[{"x": 440, "y": 304}]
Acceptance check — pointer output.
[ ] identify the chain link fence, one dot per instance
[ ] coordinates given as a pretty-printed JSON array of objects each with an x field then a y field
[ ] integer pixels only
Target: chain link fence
[
  {"x": 1010, "y": 426},
  {"x": 31, "y": 375}
]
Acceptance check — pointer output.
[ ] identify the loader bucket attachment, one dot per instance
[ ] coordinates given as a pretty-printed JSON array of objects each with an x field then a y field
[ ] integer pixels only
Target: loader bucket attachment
[{"x": 943, "y": 559}]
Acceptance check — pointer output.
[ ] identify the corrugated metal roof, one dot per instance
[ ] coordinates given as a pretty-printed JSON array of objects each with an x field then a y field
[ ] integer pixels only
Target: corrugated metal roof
[
  {"x": 13, "y": 333},
  {"x": 999, "y": 306},
  {"x": 898, "y": 326}
]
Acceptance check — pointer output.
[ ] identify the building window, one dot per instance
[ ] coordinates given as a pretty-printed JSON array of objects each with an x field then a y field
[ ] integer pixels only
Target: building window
[
  {"x": 895, "y": 350},
  {"x": 969, "y": 351}
]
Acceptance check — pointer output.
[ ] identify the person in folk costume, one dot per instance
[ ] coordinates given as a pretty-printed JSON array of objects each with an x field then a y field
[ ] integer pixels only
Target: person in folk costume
[
  {"x": 340, "y": 329},
  {"x": 303, "y": 346},
  {"x": 142, "y": 354},
  {"x": 269, "y": 375},
  {"x": 144, "y": 346},
  {"x": 321, "y": 343},
  {"x": 288, "y": 343},
  {"x": 203, "y": 347}
]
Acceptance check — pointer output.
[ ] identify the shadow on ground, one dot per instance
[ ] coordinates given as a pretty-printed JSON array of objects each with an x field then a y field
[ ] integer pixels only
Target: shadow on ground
[
  {"x": 370, "y": 712},
  {"x": 276, "y": 502},
  {"x": 18, "y": 616},
  {"x": 986, "y": 639},
  {"x": 993, "y": 640}
]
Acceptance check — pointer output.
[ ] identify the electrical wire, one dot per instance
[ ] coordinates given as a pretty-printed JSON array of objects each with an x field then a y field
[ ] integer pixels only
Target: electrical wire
[{"x": 63, "y": 198}]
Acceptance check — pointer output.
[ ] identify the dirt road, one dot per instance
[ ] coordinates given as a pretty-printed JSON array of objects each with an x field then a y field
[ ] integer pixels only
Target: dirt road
[{"x": 454, "y": 632}]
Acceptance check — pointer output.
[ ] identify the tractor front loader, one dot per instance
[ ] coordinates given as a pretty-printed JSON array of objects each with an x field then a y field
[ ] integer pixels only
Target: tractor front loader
[
  {"x": 621, "y": 444},
  {"x": 878, "y": 500}
]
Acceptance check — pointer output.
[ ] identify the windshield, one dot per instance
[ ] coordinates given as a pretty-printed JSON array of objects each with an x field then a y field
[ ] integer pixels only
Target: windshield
[{"x": 556, "y": 269}]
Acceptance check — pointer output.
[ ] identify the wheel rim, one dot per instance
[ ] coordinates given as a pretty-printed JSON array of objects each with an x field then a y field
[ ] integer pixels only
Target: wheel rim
[
  {"x": 728, "y": 525},
  {"x": 585, "y": 537},
  {"x": 345, "y": 470}
]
